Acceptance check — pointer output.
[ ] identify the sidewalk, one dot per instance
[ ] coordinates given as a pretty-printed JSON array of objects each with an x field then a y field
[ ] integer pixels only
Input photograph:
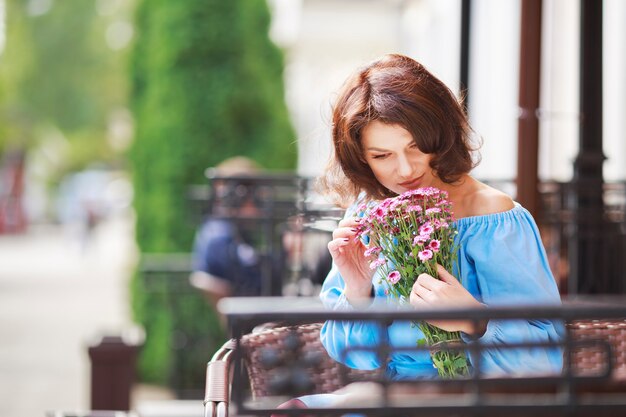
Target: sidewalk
[{"x": 56, "y": 297}]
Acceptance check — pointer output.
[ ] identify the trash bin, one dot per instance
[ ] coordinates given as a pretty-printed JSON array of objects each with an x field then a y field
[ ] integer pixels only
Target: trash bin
[{"x": 112, "y": 373}]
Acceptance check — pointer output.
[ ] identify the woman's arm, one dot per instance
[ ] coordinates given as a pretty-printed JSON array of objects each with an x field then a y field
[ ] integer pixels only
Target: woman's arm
[{"x": 349, "y": 284}]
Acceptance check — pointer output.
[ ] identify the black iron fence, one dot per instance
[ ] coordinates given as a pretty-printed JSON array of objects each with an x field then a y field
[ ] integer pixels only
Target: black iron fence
[
  {"x": 286, "y": 221},
  {"x": 586, "y": 245},
  {"x": 189, "y": 330}
]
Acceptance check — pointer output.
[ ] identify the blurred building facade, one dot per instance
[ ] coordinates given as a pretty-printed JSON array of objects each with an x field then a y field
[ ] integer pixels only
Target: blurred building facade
[{"x": 325, "y": 40}]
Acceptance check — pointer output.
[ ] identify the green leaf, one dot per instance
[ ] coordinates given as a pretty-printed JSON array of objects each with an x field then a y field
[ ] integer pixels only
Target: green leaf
[{"x": 460, "y": 362}]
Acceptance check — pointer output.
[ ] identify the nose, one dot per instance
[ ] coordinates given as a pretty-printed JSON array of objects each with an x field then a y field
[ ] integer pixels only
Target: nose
[{"x": 405, "y": 168}]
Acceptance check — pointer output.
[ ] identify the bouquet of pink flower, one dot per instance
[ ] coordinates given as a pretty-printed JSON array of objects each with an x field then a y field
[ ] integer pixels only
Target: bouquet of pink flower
[{"x": 409, "y": 235}]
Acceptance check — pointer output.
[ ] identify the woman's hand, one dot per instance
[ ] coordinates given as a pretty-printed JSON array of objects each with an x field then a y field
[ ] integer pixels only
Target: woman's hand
[
  {"x": 347, "y": 252},
  {"x": 445, "y": 292}
]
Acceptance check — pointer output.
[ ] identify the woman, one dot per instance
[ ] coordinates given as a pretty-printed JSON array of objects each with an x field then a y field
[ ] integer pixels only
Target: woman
[{"x": 396, "y": 127}]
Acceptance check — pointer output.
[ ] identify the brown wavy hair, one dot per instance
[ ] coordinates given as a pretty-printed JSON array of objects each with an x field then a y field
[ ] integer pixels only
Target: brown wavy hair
[{"x": 395, "y": 89}]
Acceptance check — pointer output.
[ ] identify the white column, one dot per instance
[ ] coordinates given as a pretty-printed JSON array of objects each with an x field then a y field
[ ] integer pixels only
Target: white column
[
  {"x": 614, "y": 90},
  {"x": 493, "y": 84},
  {"x": 431, "y": 34},
  {"x": 560, "y": 69}
]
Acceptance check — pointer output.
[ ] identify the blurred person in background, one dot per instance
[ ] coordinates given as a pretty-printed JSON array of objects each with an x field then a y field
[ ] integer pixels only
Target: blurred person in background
[{"x": 224, "y": 260}]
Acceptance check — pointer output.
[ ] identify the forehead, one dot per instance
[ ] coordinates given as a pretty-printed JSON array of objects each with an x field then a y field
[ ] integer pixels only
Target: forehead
[{"x": 385, "y": 136}]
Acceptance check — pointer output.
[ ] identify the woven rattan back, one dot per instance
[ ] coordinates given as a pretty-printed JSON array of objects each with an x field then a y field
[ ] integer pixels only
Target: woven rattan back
[
  {"x": 325, "y": 374},
  {"x": 593, "y": 359}
]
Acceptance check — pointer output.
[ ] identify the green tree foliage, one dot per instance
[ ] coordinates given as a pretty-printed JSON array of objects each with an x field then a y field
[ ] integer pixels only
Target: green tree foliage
[
  {"x": 206, "y": 85},
  {"x": 58, "y": 74},
  {"x": 16, "y": 66}
]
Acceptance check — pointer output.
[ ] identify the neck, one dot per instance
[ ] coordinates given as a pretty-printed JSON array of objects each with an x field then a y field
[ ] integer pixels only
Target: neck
[{"x": 458, "y": 189}]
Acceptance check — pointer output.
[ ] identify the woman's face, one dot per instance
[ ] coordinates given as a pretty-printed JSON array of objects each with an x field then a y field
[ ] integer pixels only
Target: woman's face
[{"x": 395, "y": 159}]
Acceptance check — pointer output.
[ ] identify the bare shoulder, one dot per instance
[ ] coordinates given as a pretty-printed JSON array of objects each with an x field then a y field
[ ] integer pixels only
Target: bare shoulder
[
  {"x": 487, "y": 200},
  {"x": 480, "y": 199}
]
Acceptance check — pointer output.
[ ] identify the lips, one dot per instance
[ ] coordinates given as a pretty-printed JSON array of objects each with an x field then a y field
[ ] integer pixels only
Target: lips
[{"x": 411, "y": 184}]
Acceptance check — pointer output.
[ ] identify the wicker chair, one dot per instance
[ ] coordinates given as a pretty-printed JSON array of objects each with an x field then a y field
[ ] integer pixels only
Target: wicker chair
[{"x": 326, "y": 375}]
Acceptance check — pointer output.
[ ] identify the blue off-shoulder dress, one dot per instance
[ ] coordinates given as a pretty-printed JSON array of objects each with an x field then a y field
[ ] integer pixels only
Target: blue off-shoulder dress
[{"x": 501, "y": 261}]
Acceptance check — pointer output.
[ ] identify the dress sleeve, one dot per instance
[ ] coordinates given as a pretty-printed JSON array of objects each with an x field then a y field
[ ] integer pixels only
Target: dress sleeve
[
  {"x": 338, "y": 337},
  {"x": 503, "y": 262}
]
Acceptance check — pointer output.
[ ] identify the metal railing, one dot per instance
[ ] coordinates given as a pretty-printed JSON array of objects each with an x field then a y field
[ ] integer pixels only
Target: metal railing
[{"x": 570, "y": 393}]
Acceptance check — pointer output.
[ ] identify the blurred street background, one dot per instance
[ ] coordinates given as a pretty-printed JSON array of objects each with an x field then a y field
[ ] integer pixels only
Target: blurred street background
[{"x": 59, "y": 293}]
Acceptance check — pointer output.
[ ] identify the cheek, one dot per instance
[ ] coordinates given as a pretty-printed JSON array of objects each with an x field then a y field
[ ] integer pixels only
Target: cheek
[
  {"x": 422, "y": 160},
  {"x": 381, "y": 172}
]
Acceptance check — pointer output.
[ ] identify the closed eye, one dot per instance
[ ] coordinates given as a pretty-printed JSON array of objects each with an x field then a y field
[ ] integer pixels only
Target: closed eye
[{"x": 381, "y": 156}]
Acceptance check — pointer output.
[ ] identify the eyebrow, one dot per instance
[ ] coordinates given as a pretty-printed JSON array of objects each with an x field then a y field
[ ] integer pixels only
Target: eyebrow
[{"x": 375, "y": 149}]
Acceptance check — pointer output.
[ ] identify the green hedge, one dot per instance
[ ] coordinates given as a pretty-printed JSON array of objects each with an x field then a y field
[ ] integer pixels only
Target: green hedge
[{"x": 206, "y": 85}]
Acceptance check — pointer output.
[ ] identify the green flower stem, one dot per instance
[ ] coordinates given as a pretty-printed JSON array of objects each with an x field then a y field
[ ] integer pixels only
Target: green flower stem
[{"x": 450, "y": 362}]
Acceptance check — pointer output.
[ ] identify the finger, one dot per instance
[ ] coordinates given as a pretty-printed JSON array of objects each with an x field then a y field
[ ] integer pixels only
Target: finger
[
  {"x": 416, "y": 300},
  {"x": 336, "y": 246},
  {"x": 445, "y": 276},
  {"x": 429, "y": 282},
  {"x": 420, "y": 291},
  {"x": 343, "y": 232},
  {"x": 349, "y": 222}
]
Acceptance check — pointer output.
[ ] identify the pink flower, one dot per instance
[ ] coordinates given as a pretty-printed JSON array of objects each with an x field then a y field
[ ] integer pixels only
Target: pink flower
[
  {"x": 414, "y": 207},
  {"x": 430, "y": 191},
  {"x": 419, "y": 240},
  {"x": 439, "y": 224},
  {"x": 394, "y": 204},
  {"x": 433, "y": 210},
  {"x": 434, "y": 245},
  {"x": 374, "y": 250},
  {"x": 426, "y": 229},
  {"x": 378, "y": 262},
  {"x": 425, "y": 255},
  {"x": 380, "y": 212},
  {"x": 393, "y": 277}
]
